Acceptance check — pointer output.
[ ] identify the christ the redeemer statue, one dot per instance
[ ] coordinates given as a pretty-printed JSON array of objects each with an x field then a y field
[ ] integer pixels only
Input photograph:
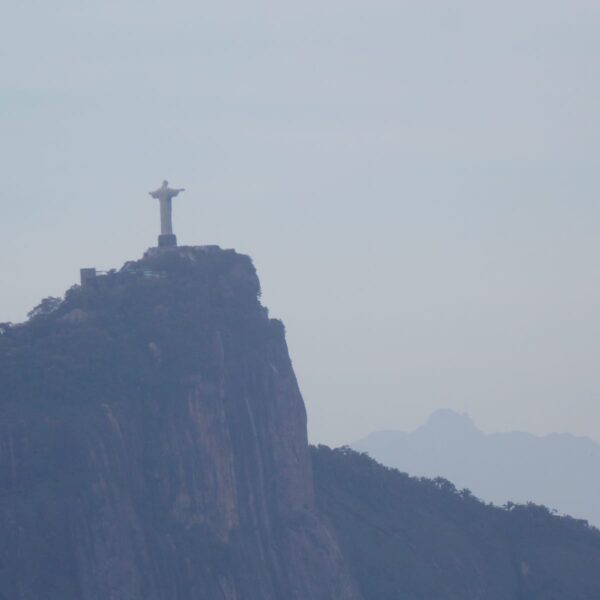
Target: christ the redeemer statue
[{"x": 164, "y": 194}]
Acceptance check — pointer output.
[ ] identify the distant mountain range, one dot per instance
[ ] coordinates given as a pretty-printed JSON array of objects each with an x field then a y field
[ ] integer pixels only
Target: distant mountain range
[{"x": 560, "y": 471}]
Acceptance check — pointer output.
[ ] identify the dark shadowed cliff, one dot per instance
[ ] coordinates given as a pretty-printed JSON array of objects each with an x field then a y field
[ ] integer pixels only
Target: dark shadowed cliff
[{"x": 153, "y": 446}]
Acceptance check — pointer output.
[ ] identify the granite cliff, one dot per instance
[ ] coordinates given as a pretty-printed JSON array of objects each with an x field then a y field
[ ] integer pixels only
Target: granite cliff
[
  {"x": 153, "y": 447},
  {"x": 153, "y": 444}
]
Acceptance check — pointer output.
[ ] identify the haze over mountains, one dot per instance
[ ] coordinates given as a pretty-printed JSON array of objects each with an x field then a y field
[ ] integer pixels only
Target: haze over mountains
[
  {"x": 558, "y": 470},
  {"x": 153, "y": 446}
]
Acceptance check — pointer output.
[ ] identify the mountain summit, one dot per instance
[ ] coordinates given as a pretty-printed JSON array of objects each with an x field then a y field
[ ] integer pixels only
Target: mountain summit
[
  {"x": 444, "y": 420},
  {"x": 154, "y": 444},
  {"x": 153, "y": 447}
]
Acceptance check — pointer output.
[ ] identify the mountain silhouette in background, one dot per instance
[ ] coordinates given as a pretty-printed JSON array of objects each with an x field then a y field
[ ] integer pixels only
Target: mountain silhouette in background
[
  {"x": 153, "y": 446},
  {"x": 557, "y": 470}
]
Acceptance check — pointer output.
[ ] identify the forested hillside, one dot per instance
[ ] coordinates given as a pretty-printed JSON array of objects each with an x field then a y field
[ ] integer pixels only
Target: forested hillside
[
  {"x": 422, "y": 539},
  {"x": 153, "y": 446}
]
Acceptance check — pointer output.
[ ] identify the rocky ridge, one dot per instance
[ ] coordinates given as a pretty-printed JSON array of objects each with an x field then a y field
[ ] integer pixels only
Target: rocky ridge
[{"x": 153, "y": 444}]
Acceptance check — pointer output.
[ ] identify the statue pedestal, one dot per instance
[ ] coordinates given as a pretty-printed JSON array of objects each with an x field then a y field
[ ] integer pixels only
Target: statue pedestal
[{"x": 167, "y": 240}]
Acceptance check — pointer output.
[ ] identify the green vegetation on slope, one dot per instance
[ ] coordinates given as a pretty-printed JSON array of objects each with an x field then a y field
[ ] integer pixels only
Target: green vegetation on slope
[
  {"x": 105, "y": 340},
  {"x": 420, "y": 539}
]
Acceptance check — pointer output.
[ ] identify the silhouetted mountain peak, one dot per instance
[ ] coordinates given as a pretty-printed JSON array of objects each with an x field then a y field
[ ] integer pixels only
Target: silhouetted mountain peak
[
  {"x": 450, "y": 422},
  {"x": 556, "y": 469}
]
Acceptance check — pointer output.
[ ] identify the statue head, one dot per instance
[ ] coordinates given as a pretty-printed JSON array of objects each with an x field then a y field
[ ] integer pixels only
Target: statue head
[{"x": 165, "y": 183}]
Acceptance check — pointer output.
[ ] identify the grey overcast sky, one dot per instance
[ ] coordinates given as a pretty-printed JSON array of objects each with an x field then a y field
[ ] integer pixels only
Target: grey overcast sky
[{"x": 417, "y": 183}]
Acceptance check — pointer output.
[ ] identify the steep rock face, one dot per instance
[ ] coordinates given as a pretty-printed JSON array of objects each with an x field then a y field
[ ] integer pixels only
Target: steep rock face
[{"x": 153, "y": 444}]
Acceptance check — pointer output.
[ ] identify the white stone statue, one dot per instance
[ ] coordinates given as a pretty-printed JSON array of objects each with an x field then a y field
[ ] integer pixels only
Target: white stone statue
[{"x": 164, "y": 194}]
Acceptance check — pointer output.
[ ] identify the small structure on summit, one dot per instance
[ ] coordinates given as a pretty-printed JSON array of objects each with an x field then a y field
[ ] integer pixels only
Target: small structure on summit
[
  {"x": 91, "y": 274},
  {"x": 164, "y": 194}
]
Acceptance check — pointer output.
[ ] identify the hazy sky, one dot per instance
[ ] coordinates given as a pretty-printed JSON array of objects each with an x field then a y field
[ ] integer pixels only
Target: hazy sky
[{"x": 417, "y": 183}]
